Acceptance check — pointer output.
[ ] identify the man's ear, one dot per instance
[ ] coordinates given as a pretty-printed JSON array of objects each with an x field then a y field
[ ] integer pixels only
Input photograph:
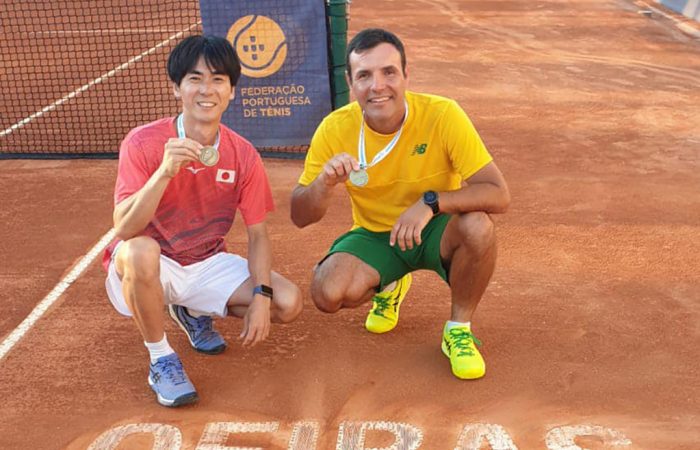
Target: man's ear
[
  {"x": 233, "y": 93},
  {"x": 176, "y": 91}
]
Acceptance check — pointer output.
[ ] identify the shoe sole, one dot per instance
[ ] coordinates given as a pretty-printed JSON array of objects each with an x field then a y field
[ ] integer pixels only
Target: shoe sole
[
  {"x": 214, "y": 351},
  {"x": 185, "y": 399},
  {"x": 379, "y": 331},
  {"x": 398, "y": 308}
]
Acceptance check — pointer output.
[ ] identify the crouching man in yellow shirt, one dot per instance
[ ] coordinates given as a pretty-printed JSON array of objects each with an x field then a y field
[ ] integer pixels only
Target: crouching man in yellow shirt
[{"x": 422, "y": 187}]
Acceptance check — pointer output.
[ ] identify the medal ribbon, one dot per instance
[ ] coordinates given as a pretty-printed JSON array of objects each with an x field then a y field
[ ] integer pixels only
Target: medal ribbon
[
  {"x": 181, "y": 131},
  {"x": 385, "y": 151}
]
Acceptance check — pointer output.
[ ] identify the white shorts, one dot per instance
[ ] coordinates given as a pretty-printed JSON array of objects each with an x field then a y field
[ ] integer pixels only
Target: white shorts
[{"x": 204, "y": 287}]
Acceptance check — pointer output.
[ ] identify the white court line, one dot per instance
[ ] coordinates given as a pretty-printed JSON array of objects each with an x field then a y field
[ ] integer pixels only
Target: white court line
[
  {"x": 55, "y": 293},
  {"x": 94, "y": 82},
  {"x": 102, "y": 31}
]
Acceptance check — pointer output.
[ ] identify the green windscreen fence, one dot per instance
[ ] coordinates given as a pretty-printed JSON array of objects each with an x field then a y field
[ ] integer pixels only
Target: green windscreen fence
[
  {"x": 78, "y": 75},
  {"x": 337, "y": 13}
]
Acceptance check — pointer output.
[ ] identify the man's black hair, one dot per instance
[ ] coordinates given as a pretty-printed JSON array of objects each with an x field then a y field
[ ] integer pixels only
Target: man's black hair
[
  {"x": 218, "y": 53},
  {"x": 370, "y": 38}
]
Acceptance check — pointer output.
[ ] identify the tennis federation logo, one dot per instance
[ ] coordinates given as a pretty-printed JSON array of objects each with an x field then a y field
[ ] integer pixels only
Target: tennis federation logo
[{"x": 260, "y": 44}]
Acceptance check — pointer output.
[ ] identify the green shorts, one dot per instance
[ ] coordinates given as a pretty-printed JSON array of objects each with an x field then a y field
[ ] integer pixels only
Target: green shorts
[{"x": 391, "y": 262}]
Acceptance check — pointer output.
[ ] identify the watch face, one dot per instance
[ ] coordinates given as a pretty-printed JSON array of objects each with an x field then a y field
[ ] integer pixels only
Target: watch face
[{"x": 430, "y": 197}]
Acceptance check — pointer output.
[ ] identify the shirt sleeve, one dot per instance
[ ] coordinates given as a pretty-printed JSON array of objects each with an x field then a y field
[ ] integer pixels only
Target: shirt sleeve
[
  {"x": 133, "y": 171},
  {"x": 256, "y": 196},
  {"x": 318, "y": 154},
  {"x": 464, "y": 145}
]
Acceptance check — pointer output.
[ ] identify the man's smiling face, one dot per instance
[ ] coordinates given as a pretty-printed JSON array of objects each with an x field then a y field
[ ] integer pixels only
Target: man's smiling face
[
  {"x": 205, "y": 94},
  {"x": 379, "y": 84}
]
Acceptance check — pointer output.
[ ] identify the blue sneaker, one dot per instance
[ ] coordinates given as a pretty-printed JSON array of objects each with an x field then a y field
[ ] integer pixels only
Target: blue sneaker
[
  {"x": 169, "y": 381},
  {"x": 199, "y": 330}
]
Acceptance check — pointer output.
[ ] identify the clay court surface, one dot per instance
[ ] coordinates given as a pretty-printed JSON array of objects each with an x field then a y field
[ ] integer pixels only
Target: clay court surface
[{"x": 591, "y": 323}]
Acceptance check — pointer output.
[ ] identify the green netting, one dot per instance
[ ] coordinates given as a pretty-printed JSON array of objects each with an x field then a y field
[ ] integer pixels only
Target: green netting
[{"x": 77, "y": 75}]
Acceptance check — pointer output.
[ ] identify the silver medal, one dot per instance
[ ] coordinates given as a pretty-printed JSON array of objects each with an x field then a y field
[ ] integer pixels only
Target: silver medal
[
  {"x": 359, "y": 177},
  {"x": 209, "y": 156}
]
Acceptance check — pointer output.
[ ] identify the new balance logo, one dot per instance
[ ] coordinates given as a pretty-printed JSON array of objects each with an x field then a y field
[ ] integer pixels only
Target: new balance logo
[
  {"x": 419, "y": 149},
  {"x": 195, "y": 170}
]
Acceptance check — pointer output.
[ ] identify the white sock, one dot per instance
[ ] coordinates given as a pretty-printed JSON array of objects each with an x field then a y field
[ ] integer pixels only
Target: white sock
[
  {"x": 451, "y": 324},
  {"x": 390, "y": 287},
  {"x": 159, "y": 349}
]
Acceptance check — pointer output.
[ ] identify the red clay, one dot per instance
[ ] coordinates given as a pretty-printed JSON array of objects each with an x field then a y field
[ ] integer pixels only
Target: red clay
[{"x": 591, "y": 111}]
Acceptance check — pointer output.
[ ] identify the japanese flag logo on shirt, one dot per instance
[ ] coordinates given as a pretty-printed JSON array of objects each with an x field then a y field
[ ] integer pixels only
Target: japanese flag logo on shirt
[{"x": 225, "y": 176}]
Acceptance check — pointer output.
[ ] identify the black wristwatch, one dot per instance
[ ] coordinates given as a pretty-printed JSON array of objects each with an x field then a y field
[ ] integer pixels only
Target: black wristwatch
[
  {"x": 263, "y": 290},
  {"x": 430, "y": 198}
]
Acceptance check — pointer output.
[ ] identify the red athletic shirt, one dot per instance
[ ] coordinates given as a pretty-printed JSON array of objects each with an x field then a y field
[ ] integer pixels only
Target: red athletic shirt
[{"x": 198, "y": 206}]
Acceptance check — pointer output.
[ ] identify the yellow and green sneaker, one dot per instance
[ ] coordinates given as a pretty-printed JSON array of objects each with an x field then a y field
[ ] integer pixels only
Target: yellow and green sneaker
[
  {"x": 384, "y": 314},
  {"x": 458, "y": 344}
]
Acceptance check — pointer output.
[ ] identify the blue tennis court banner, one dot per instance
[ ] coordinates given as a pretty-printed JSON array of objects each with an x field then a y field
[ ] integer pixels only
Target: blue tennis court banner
[{"x": 284, "y": 90}]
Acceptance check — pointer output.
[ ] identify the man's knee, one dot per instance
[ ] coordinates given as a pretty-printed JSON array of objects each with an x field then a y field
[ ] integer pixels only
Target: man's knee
[
  {"x": 342, "y": 281},
  {"x": 327, "y": 296},
  {"x": 290, "y": 302},
  {"x": 139, "y": 259},
  {"x": 476, "y": 230}
]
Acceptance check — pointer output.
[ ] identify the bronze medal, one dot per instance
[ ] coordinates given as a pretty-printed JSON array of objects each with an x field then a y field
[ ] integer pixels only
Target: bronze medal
[{"x": 209, "y": 156}]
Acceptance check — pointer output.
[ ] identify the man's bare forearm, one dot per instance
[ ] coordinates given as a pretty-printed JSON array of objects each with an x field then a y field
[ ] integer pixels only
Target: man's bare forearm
[
  {"x": 486, "y": 197},
  {"x": 485, "y": 191},
  {"x": 259, "y": 254},
  {"x": 310, "y": 203},
  {"x": 133, "y": 214}
]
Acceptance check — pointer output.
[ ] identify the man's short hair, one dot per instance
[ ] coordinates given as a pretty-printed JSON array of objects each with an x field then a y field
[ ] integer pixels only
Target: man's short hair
[
  {"x": 370, "y": 38},
  {"x": 218, "y": 53}
]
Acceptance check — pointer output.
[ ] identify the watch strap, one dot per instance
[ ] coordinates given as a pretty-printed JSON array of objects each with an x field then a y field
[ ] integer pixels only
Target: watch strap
[
  {"x": 263, "y": 290},
  {"x": 434, "y": 204}
]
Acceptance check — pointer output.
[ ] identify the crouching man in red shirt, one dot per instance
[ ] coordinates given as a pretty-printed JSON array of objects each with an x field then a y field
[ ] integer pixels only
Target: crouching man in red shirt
[{"x": 180, "y": 181}]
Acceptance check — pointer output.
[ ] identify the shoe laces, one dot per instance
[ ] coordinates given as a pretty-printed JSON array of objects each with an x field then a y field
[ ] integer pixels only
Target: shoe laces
[
  {"x": 172, "y": 370},
  {"x": 462, "y": 340},
  {"x": 381, "y": 304},
  {"x": 386, "y": 300},
  {"x": 203, "y": 325}
]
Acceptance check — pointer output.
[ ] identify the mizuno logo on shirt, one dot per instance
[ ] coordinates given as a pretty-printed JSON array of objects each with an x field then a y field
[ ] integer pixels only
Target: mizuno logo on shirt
[
  {"x": 195, "y": 170},
  {"x": 225, "y": 176}
]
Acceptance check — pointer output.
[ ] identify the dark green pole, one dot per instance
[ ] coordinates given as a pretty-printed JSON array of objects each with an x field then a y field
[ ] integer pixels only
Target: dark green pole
[{"x": 336, "y": 11}]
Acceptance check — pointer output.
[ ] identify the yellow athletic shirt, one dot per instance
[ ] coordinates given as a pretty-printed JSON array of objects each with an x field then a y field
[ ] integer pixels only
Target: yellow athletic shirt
[{"x": 438, "y": 148}]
